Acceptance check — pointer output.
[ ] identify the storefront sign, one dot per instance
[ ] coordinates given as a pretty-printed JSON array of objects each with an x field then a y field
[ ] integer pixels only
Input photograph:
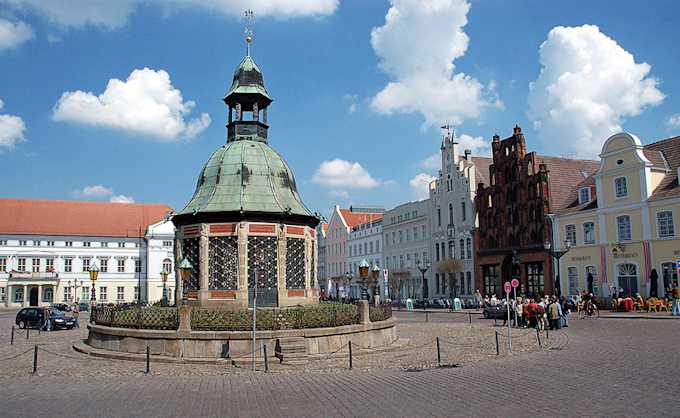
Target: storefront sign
[
  {"x": 581, "y": 258},
  {"x": 625, "y": 255}
]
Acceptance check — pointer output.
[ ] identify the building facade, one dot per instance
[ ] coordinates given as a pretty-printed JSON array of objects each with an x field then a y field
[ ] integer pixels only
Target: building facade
[
  {"x": 322, "y": 277},
  {"x": 621, "y": 221},
  {"x": 453, "y": 220},
  {"x": 365, "y": 242},
  {"x": 514, "y": 212},
  {"x": 47, "y": 248},
  {"x": 406, "y": 239}
]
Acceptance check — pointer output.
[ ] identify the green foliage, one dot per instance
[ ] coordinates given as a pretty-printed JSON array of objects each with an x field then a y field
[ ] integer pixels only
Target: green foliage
[{"x": 380, "y": 313}]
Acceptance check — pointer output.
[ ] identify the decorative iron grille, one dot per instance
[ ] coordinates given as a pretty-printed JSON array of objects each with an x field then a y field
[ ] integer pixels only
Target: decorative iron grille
[
  {"x": 190, "y": 250},
  {"x": 223, "y": 263},
  {"x": 263, "y": 255},
  {"x": 295, "y": 263}
]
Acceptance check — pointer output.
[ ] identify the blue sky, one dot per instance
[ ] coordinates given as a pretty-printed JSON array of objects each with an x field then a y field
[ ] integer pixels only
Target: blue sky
[{"x": 356, "y": 119}]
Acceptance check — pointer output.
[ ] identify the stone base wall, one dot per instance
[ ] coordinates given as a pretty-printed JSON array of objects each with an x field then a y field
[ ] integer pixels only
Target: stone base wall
[{"x": 213, "y": 345}]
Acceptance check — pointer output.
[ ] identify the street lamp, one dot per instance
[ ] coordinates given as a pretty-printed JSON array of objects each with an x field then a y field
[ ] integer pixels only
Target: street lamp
[
  {"x": 185, "y": 268},
  {"x": 164, "y": 278},
  {"x": 74, "y": 287},
  {"x": 423, "y": 268},
  {"x": 557, "y": 254},
  {"x": 375, "y": 275},
  {"x": 94, "y": 272},
  {"x": 363, "y": 273}
]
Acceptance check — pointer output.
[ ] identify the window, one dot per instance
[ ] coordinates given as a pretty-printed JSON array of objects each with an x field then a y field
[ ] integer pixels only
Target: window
[
  {"x": 664, "y": 223},
  {"x": 436, "y": 252},
  {"x": 439, "y": 217},
  {"x": 138, "y": 265},
  {"x": 22, "y": 243},
  {"x": 86, "y": 243},
  {"x": 102, "y": 293},
  {"x": 623, "y": 227},
  {"x": 572, "y": 274},
  {"x": 50, "y": 243},
  {"x": 589, "y": 233},
  {"x": 401, "y": 237},
  {"x": 450, "y": 213},
  {"x": 48, "y": 294},
  {"x": 490, "y": 278},
  {"x": 49, "y": 265},
  {"x": 3, "y": 242},
  {"x": 377, "y": 246},
  {"x": 415, "y": 233},
  {"x": 69, "y": 243},
  {"x": 535, "y": 280},
  {"x": 86, "y": 264},
  {"x": 468, "y": 248},
  {"x": 584, "y": 195},
  {"x": 68, "y": 265},
  {"x": 67, "y": 294},
  {"x": 36, "y": 243},
  {"x": 461, "y": 244},
  {"x": 422, "y": 230},
  {"x": 22, "y": 264},
  {"x": 120, "y": 295},
  {"x": 104, "y": 265},
  {"x": 167, "y": 243},
  {"x": 121, "y": 245},
  {"x": 85, "y": 293},
  {"x": 592, "y": 271},
  {"x": 408, "y": 235},
  {"x": 136, "y": 245},
  {"x": 468, "y": 276},
  {"x": 370, "y": 247},
  {"x": 462, "y": 283},
  {"x": 463, "y": 212},
  {"x": 136, "y": 293},
  {"x": 436, "y": 281},
  {"x": 18, "y": 294},
  {"x": 35, "y": 265},
  {"x": 3, "y": 265},
  {"x": 621, "y": 186},
  {"x": 104, "y": 244},
  {"x": 570, "y": 234},
  {"x": 121, "y": 265},
  {"x": 628, "y": 280},
  {"x": 3, "y": 295}
]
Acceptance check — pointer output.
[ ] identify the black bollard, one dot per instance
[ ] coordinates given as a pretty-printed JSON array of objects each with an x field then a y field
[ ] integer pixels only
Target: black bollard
[
  {"x": 266, "y": 361},
  {"x": 547, "y": 335},
  {"x": 148, "y": 359},
  {"x": 439, "y": 354},
  {"x": 427, "y": 317},
  {"x": 470, "y": 316},
  {"x": 538, "y": 337},
  {"x": 11, "y": 341},
  {"x": 35, "y": 359},
  {"x": 26, "y": 331},
  {"x": 350, "y": 355},
  {"x": 498, "y": 352}
]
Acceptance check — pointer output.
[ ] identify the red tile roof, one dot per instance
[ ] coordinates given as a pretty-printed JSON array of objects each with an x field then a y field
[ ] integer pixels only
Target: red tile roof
[
  {"x": 670, "y": 149},
  {"x": 69, "y": 217},
  {"x": 565, "y": 177},
  {"x": 482, "y": 165},
  {"x": 357, "y": 218}
]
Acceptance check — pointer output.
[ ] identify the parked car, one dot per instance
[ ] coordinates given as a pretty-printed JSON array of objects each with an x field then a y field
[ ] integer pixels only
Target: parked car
[
  {"x": 495, "y": 312},
  {"x": 62, "y": 307},
  {"x": 33, "y": 318},
  {"x": 83, "y": 306}
]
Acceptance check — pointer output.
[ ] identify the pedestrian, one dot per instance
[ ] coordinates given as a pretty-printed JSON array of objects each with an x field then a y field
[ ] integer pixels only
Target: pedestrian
[
  {"x": 553, "y": 314},
  {"x": 76, "y": 315},
  {"x": 518, "y": 313},
  {"x": 48, "y": 320},
  {"x": 675, "y": 293},
  {"x": 478, "y": 299}
]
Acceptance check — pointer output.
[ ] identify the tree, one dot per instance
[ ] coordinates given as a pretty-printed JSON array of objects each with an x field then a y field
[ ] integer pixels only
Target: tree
[
  {"x": 396, "y": 280},
  {"x": 449, "y": 268}
]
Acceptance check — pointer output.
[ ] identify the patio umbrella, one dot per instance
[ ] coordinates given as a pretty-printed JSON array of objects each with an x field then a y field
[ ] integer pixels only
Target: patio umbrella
[{"x": 654, "y": 285}]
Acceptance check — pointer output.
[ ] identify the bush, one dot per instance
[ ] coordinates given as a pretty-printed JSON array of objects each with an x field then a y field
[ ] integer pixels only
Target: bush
[{"x": 380, "y": 313}]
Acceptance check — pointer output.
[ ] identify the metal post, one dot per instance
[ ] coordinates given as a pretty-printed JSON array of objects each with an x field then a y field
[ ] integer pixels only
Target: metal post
[
  {"x": 514, "y": 296},
  {"x": 11, "y": 341},
  {"x": 439, "y": 354},
  {"x": 497, "y": 347},
  {"x": 350, "y": 355},
  {"x": 35, "y": 359},
  {"x": 427, "y": 316},
  {"x": 27, "y": 330},
  {"x": 470, "y": 316},
  {"x": 148, "y": 359},
  {"x": 538, "y": 337},
  {"x": 507, "y": 302},
  {"x": 266, "y": 362}
]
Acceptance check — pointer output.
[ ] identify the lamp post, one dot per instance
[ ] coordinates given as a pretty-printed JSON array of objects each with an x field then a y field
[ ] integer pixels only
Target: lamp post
[
  {"x": 185, "y": 268},
  {"x": 94, "y": 272},
  {"x": 557, "y": 254},
  {"x": 375, "y": 276},
  {"x": 423, "y": 268},
  {"x": 348, "y": 278},
  {"x": 363, "y": 273},
  {"x": 164, "y": 278},
  {"x": 74, "y": 287}
]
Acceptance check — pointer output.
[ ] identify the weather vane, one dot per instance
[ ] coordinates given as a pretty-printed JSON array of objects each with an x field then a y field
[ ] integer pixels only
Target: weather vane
[{"x": 249, "y": 15}]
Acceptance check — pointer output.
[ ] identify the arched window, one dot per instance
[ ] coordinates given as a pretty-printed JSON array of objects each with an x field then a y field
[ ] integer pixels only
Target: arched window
[
  {"x": 462, "y": 248},
  {"x": 167, "y": 265},
  {"x": 468, "y": 246},
  {"x": 450, "y": 213},
  {"x": 628, "y": 280},
  {"x": 462, "y": 211}
]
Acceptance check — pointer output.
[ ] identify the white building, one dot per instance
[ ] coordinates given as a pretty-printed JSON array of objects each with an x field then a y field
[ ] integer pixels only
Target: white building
[
  {"x": 406, "y": 246},
  {"x": 453, "y": 218},
  {"x": 365, "y": 242},
  {"x": 48, "y": 246},
  {"x": 321, "y": 276}
]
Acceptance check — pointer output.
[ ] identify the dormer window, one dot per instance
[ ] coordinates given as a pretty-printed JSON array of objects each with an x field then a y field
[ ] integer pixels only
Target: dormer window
[
  {"x": 584, "y": 195},
  {"x": 621, "y": 187}
]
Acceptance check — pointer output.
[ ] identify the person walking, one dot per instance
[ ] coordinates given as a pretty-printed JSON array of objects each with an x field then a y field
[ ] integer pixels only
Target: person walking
[
  {"x": 553, "y": 314},
  {"x": 48, "y": 320},
  {"x": 675, "y": 293},
  {"x": 76, "y": 315},
  {"x": 478, "y": 299}
]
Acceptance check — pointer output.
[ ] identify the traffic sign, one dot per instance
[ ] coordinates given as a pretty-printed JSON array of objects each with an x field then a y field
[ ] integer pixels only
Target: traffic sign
[
  {"x": 514, "y": 283},
  {"x": 507, "y": 287}
]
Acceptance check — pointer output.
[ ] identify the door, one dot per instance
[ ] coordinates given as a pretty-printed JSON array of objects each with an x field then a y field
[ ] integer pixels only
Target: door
[
  {"x": 33, "y": 299},
  {"x": 628, "y": 279}
]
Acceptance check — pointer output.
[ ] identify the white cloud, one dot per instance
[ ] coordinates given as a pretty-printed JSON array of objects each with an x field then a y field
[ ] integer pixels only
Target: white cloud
[
  {"x": 673, "y": 121},
  {"x": 338, "y": 194},
  {"x": 420, "y": 185},
  {"x": 477, "y": 144},
  {"x": 96, "y": 191},
  {"x": 121, "y": 199},
  {"x": 433, "y": 162},
  {"x": 588, "y": 84},
  {"x": 339, "y": 173},
  {"x": 114, "y": 14},
  {"x": 12, "y": 130},
  {"x": 417, "y": 47},
  {"x": 14, "y": 33},
  {"x": 146, "y": 103},
  {"x": 353, "y": 107}
]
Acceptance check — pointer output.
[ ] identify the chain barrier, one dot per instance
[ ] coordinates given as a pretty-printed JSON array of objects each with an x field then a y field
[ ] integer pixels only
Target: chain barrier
[
  {"x": 16, "y": 355},
  {"x": 62, "y": 355}
]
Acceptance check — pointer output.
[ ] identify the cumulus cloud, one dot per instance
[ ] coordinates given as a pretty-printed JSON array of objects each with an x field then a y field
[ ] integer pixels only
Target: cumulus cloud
[
  {"x": 420, "y": 185},
  {"x": 587, "y": 86},
  {"x": 477, "y": 144},
  {"x": 12, "y": 130},
  {"x": 433, "y": 162},
  {"x": 121, "y": 199},
  {"x": 673, "y": 121},
  {"x": 146, "y": 103},
  {"x": 114, "y": 14},
  {"x": 338, "y": 194},
  {"x": 352, "y": 99},
  {"x": 417, "y": 47},
  {"x": 101, "y": 192},
  {"x": 339, "y": 173},
  {"x": 13, "y": 33},
  {"x": 96, "y": 191}
]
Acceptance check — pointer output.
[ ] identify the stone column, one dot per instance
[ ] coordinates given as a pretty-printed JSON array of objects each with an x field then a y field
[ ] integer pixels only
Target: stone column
[
  {"x": 364, "y": 314},
  {"x": 40, "y": 290},
  {"x": 179, "y": 288},
  {"x": 203, "y": 278},
  {"x": 242, "y": 245},
  {"x": 281, "y": 264}
]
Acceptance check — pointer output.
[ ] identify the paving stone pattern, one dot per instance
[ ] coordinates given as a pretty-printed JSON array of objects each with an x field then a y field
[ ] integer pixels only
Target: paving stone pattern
[{"x": 606, "y": 367}]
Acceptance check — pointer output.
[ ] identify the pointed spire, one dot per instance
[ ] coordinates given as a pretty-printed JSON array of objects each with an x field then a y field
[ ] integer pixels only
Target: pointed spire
[{"x": 249, "y": 15}]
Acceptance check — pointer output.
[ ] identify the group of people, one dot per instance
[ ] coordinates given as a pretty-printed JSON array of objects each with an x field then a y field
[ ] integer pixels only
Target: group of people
[
  {"x": 548, "y": 312},
  {"x": 46, "y": 322}
]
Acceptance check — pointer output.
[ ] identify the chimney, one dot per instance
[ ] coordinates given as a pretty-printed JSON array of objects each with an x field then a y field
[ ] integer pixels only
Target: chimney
[
  {"x": 517, "y": 130},
  {"x": 467, "y": 153}
]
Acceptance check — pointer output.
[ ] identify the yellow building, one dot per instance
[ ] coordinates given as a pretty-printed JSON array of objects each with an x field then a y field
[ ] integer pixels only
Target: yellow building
[{"x": 621, "y": 222}]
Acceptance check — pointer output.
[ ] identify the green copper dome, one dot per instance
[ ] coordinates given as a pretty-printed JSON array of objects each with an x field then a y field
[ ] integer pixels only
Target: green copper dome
[{"x": 247, "y": 177}]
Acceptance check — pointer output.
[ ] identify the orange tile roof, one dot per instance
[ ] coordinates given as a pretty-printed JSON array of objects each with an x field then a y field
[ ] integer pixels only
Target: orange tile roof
[
  {"x": 357, "y": 218},
  {"x": 70, "y": 217}
]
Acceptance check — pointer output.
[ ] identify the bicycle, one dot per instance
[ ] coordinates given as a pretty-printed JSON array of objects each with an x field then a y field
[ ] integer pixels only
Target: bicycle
[{"x": 589, "y": 311}]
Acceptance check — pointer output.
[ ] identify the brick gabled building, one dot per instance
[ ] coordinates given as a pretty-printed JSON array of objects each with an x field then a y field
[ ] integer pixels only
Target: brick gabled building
[{"x": 524, "y": 188}]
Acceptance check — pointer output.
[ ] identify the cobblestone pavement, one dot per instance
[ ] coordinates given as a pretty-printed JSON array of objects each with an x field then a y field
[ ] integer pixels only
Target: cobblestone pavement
[{"x": 604, "y": 367}]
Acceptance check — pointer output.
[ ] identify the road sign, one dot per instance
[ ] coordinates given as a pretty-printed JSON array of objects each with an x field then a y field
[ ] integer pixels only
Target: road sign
[
  {"x": 514, "y": 283},
  {"x": 507, "y": 287}
]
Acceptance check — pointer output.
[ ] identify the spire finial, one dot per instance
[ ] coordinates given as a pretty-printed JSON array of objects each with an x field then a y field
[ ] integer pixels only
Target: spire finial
[{"x": 249, "y": 31}]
